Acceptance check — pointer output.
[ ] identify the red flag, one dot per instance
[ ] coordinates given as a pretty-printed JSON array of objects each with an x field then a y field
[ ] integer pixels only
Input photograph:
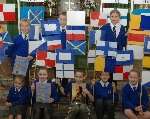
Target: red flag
[{"x": 41, "y": 55}]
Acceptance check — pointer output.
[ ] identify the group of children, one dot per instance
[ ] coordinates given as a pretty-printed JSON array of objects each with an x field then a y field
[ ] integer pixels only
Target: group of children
[
  {"x": 102, "y": 93},
  {"x": 43, "y": 93}
]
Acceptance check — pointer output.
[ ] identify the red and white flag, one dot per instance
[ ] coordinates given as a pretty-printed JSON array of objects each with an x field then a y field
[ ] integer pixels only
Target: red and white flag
[
  {"x": 97, "y": 19},
  {"x": 7, "y": 12},
  {"x": 53, "y": 45}
]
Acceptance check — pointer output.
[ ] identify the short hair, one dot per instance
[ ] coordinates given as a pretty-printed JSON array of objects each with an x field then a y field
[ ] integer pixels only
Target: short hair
[
  {"x": 115, "y": 11},
  {"x": 25, "y": 20},
  {"x": 20, "y": 77},
  {"x": 42, "y": 68},
  {"x": 135, "y": 71},
  {"x": 63, "y": 13}
]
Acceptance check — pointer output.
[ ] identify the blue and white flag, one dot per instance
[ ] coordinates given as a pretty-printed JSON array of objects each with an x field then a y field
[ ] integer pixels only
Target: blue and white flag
[
  {"x": 34, "y": 13},
  {"x": 64, "y": 70},
  {"x": 50, "y": 27},
  {"x": 147, "y": 45},
  {"x": 125, "y": 57},
  {"x": 95, "y": 36},
  {"x": 64, "y": 56},
  {"x": 77, "y": 47}
]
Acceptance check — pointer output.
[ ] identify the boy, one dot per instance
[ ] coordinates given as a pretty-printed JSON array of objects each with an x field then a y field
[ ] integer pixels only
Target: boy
[
  {"x": 63, "y": 23},
  {"x": 44, "y": 94},
  {"x": 135, "y": 98},
  {"x": 18, "y": 98},
  {"x": 79, "y": 108},
  {"x": 104, "y": 94}
]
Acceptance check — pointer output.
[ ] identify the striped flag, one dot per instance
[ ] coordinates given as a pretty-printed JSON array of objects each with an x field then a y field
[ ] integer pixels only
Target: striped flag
[
  {"x": 75, "y": 33},
  {"x": 146, "y": 62},
  {"x": 7, "y": 12},
  {"x": 122, "y": 72},
  {"x": 91, "y": 56},
  {"x": 35, "y": 32},
  {"x": 135, "y": 39}
]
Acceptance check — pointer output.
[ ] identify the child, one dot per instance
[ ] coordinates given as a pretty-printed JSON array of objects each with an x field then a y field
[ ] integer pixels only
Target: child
[
  {"x": 63, "y": 23},
  {"x": 104, "y": 94},
  {"x": 39, "y": 95},
  {"x": 135, "y": 98},
  {"x": 114, "y": 31},
  {"x": 79, "y": 108},
  {"x": 18, "y": 98}
]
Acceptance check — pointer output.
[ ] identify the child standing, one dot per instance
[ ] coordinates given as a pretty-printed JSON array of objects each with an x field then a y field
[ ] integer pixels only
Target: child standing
[
  {"x": 43, "y": 99},
  {"x": 104, "y": 94},
  {"x": 135, "y": 98},
  {"x": 114, "y": 31},
  {"x": 18, "y": 98}
]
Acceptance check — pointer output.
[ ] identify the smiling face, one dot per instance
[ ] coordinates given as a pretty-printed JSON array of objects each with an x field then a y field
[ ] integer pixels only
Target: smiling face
[
  {"x": 133, "y": 78},
  {"x": 63, "y": 20},
  {"x": 105, "y": 76},
  {"x": 115, "y": 18},
  {"x": 43, "y": 75},
  {"x": 18, "y": 83}
]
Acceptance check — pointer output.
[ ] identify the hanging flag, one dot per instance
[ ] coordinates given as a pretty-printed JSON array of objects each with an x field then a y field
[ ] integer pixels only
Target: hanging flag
[
  {"x": 124, "y": 57},
  {"x": 122, "y": 72},
  {"x": 64, "y": 56},
  {"x": 53, "y": 42},
  {"x": 50, "y": 27},
  {"x": 77, "y": 47},
  {"x": 145, "y": 25},
  {"x": 32, "y": 0},
  {"x": 75, "y": 33},
  {"x": 110, "y": 64},
  {"x": 135, "y": 21},
  {"x": 41, "y": 55},
  {"x": 138, "y": 51},
  {"x": 34, "y": 13},
  {"x": 91, "y": 56},
  {"x": 35, "y": 46},
  {"x": 140, "y": 11},
  {"x": 76, "y": 18},
  {"x": 95, "y": 36},
  {"x": 7, "y": 12},
  {"x": 96, "y": 19},
  {"x": 50, "y": 61},
  {"x": 99, "y": 64},
  {"x": 146, "y": 62},
  {"x": 147, "y": 45},
  {"x": 135, "y": 39},
  {"x": 35, "y": 32},
  {"x": 64, "y": 70}
]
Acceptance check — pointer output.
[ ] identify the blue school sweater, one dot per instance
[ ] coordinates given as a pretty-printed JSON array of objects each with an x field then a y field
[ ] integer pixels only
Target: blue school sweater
[
  {"x": 109, "y": 36},
  {"x": 20, "y": 48},
  {"x": 22, "y": 97},
  {"x": 105, "y": 93},
  {"x": 54, "y": 93},
  {"x": 131, "y": 99}
]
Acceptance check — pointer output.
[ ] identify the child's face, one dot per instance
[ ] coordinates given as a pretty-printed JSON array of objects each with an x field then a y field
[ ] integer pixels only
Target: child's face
[
  {"x": 133, "y": 78},
  {"x": 18, "y": 83},
  {"x": 62, "y": 20},
  {"x": 43, "y": 75},
  {"x": 115, "y": 18},
  {"x": 104, "y": 76},
  {"x": 24, "y": 26},
  {"x": 79, "y": 76}
]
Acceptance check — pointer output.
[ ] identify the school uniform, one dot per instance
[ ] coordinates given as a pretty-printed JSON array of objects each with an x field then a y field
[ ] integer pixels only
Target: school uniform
[
  {"x": 131, "y": 97},
  {"x": 115, "y": 34},
  {"x": 63, "y": 37},
  {"x": 79, "y": 108},
  {"x": 46, "y": 107},
  {"x": 104, "y": 97},
  {"x": 19, "y": 98}
]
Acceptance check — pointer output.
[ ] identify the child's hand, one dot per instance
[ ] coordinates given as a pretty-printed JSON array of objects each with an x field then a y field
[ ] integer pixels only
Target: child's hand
[
  {"x": 8, "y": 104},
  {"x": 51, "y": 100},
  {"x": 139, "y": 109}
]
